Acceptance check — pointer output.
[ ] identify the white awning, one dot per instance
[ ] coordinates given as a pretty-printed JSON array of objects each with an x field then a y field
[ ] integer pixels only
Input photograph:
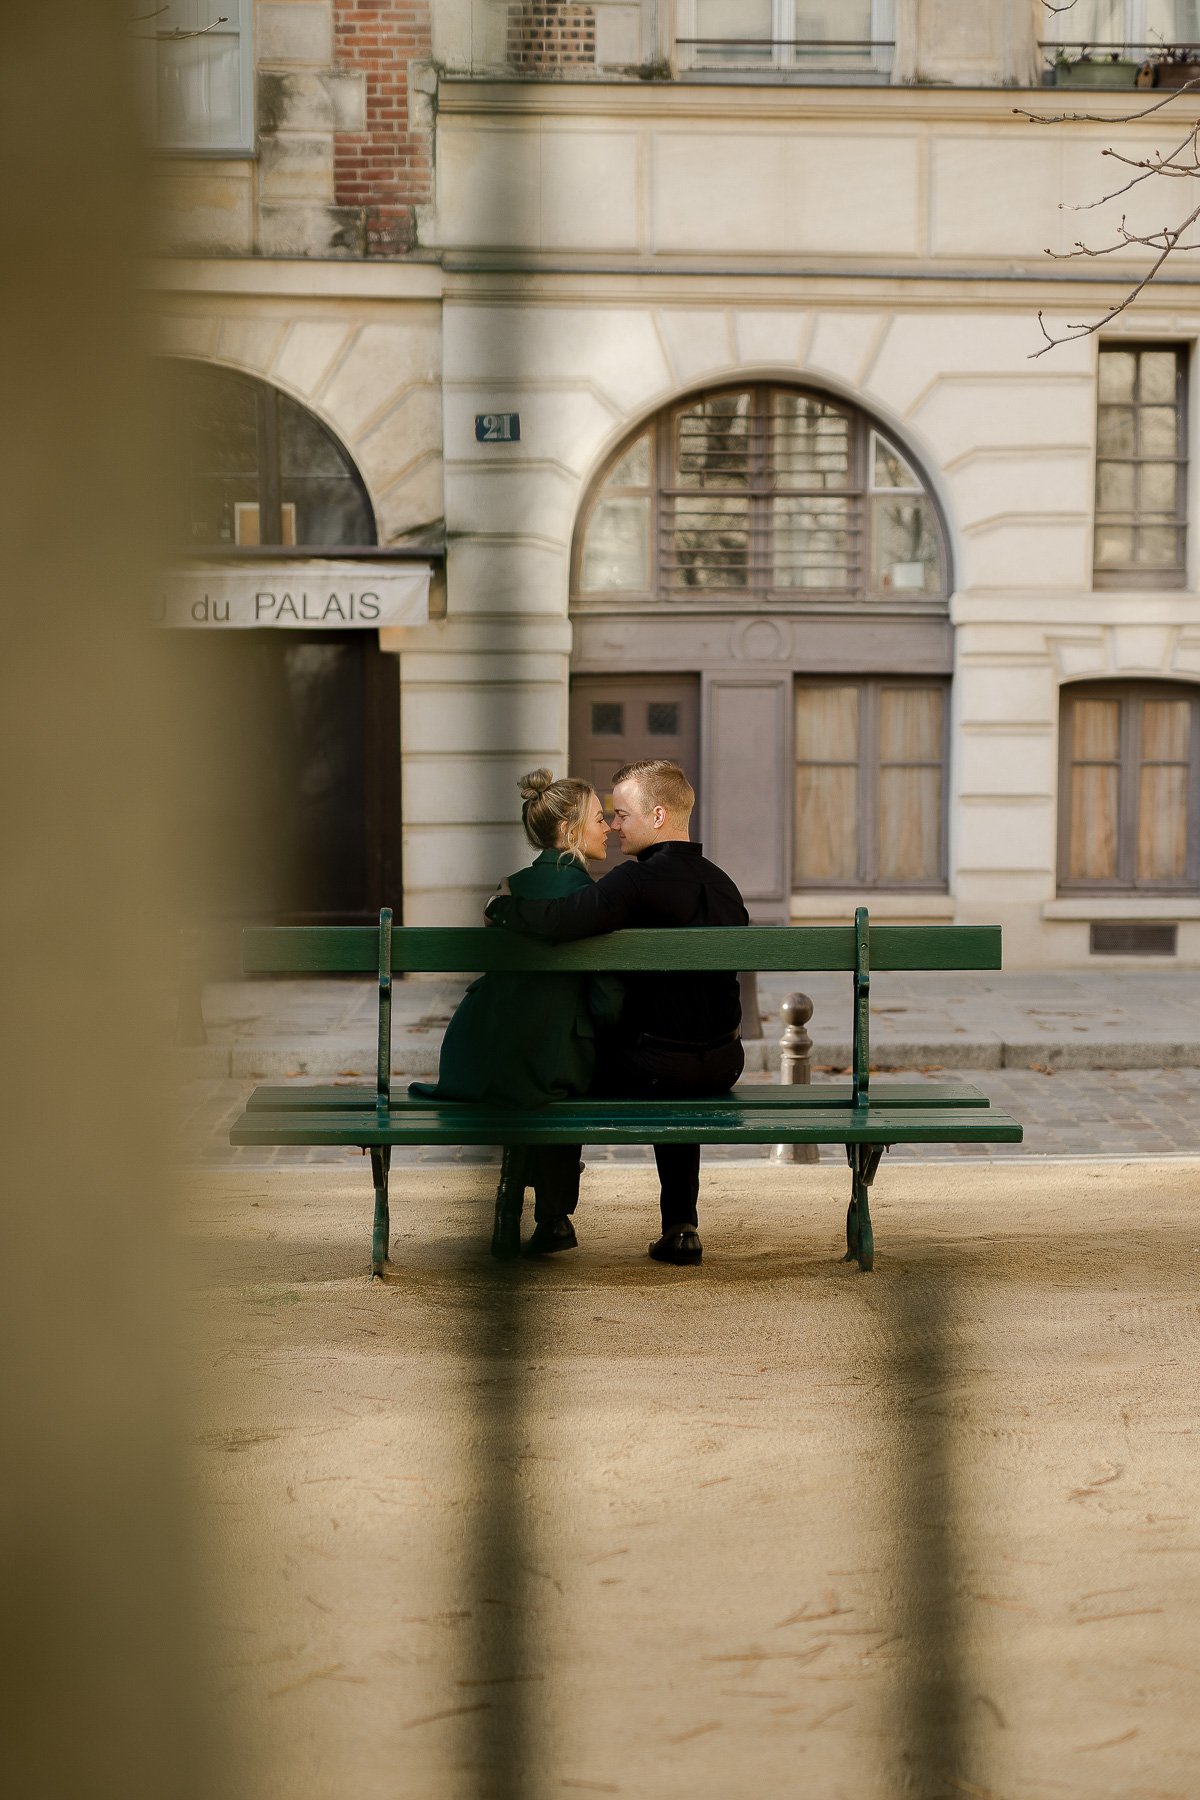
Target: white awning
[{"x": 309, "y": 596}]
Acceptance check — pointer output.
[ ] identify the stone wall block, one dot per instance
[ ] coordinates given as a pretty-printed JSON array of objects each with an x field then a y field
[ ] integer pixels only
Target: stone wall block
[
  {"x": 289, "y": 100},
  {"x": 410, "y": 431},
  {"x": 472, "y": 790},
  {"x": 413, "y": 505},
  {"x": 209, "y": 216},
  {"x": 175, "y": 335},
  {"x": 250, "y": 343},
  {"x": 296, "y": 166},
  {"x": 768, "y": 339},
  {"x": 516, "y": 578},
  {"x": 309, "y": 353},
  {"x": 467, "y": 856},
  {"x": 382, "y": 362},
  {"x": 294, "y": 31},
  {"x": 699, "y": 343},
  {"x": 532, "y": 503},
  {"x": 618, "y": 346},
  {"x": 523, "y": 719},
  {"x": 310, "y": 230},
  {"x": 346, "y": 92},
  {"x": 618, "y": 36}
]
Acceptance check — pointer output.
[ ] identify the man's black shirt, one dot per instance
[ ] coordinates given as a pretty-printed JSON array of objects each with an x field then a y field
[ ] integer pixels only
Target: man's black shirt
[{"x": 669, "y": 884}]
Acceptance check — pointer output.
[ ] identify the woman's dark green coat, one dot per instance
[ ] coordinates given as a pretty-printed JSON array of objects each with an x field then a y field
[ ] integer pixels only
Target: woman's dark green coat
[{"x": 520, "y": 1040}]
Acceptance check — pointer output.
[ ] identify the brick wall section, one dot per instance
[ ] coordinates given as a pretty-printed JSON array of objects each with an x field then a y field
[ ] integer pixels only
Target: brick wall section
[
  {"x": 546, "y": 35},
  {"x": 386, "y": 170}
]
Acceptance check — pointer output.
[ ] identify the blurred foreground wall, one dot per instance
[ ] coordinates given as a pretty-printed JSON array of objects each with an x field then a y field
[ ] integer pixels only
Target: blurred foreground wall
[{"x": 97, "y": 1608}]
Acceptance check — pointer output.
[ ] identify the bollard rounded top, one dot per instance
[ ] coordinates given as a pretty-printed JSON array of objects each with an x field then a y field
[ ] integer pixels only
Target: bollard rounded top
[{"x": 797, "y": 1009}]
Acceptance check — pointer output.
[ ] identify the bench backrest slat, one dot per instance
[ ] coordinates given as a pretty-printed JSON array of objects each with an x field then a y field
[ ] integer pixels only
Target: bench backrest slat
[{"x": 437, "y": 949}]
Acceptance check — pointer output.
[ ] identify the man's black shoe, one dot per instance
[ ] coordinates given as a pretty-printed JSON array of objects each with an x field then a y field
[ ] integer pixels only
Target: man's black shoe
[
  {"x": 681, "y": 1246},
  {"x": 550, "y": 1235}
]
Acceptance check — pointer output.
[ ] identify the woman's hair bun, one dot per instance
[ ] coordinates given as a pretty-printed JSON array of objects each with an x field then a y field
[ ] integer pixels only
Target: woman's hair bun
[{"x": 536, "y": 782}]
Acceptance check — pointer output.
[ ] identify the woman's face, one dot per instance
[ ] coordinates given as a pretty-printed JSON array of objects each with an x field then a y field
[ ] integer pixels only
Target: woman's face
[{"x": 594, "y": 842}]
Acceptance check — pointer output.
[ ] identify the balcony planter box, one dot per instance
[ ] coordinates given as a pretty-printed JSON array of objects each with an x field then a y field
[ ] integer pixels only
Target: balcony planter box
[
  {"x": 1096, "y": 72},
  {"x": 1175, "y": 74}
]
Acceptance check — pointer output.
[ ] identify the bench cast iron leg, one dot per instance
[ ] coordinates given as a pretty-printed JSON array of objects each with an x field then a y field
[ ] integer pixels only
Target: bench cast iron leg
[
  {"x": 860, "y": 1239},
  {"x": 381, "y": 1161},
  {"x": 510, "y": 1199}
]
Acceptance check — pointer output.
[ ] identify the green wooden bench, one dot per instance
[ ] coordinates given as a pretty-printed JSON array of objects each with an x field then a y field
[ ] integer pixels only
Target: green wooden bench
[{"x": 866, "y": 1118}]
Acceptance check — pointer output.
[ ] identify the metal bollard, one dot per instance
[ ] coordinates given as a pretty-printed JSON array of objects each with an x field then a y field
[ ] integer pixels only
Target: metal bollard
[
  {"x": 751, "y": 1017},
  {"x": 795, "y": 1068}
]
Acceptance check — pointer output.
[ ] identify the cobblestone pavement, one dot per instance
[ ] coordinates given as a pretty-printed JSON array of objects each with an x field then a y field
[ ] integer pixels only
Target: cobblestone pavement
[{"x": 1087, "y": 1112}]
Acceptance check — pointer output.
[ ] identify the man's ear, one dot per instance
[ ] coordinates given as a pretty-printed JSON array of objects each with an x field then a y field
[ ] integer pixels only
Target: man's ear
[{"x": 660, "y": 817}]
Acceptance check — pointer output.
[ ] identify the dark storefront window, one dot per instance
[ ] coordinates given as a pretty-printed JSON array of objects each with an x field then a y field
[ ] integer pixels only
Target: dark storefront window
[
  {"x": 258, "y": 468},
  {"x": 291, "y": 810}
]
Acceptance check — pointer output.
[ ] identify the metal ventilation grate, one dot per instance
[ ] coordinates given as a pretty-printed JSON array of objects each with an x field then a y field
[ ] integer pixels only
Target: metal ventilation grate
[{"x": 1119, "y": 937}]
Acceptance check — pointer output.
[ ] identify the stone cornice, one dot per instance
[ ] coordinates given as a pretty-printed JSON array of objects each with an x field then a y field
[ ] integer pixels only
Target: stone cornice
[{"x": 713, "y": 102}]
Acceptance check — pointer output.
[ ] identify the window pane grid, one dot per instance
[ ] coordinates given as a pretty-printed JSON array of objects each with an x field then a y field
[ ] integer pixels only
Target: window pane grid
[
  {"x": 870, "y": 785},
  {"x": 1130, "y": 792},
  {"x": 770, "y": 492},
  {"x": 1140, "y": 518}
]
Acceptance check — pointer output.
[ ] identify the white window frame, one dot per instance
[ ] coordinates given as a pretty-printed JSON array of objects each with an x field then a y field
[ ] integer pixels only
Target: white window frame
[
  {"x": 1065, "y": 29},
  {"x": 785, "y": 58},
  {"x": 155, "y": 31}
]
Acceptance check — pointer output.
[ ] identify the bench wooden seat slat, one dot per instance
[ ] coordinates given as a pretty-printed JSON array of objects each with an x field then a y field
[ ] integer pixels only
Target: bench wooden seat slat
[
  {"x": 822, "y": 1094},
  {"x": 446, "y": 949},
  {"x": 865, "y": 1118},
  {"x": 628, "y": 1122}
]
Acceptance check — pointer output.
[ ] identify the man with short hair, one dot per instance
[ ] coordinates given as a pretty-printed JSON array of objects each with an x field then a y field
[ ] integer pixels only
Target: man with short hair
[{"x": 678, "y": 1033}]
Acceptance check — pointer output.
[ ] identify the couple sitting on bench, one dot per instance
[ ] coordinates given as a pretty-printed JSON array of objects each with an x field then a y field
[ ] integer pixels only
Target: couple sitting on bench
[{"x": 524, "y": 1039}]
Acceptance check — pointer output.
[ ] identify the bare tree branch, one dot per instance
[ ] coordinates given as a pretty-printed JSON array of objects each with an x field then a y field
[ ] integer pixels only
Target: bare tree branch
[
  {"x": 1077, "y": 118},
  {"x": 1180, "y": 163},
  {"x": 1084, "y": 329},
  {"x": 175, "y": 36}
]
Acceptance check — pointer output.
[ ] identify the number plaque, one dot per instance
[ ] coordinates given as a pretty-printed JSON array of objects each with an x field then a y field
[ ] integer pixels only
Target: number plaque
[{"x": 498, "y": 428}]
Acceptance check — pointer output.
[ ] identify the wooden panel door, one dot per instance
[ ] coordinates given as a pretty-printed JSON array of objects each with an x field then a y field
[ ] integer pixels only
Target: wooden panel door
[{"x": 627, "y": 718}]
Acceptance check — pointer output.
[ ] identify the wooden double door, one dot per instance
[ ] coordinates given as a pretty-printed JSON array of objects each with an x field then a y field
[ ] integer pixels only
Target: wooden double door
[{"x": 619, "y": 719}]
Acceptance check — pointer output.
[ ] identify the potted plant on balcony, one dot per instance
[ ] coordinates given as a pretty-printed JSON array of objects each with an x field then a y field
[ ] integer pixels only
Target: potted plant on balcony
[
  {"x": 1175, "y": 66},
  {"x": 1104, "y": 69}
]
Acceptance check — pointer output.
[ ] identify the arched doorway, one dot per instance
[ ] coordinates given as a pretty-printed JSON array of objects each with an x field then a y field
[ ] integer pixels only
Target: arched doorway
[
  {"x": 291, "y": 809},
  {"x": 776, "y": 553}
]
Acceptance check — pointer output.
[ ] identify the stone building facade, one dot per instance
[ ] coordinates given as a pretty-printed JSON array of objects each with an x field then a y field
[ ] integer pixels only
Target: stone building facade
[{"x": 792, "y": 491}]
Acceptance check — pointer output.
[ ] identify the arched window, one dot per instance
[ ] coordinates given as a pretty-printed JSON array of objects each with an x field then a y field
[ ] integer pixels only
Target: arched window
[
  {"x": 258, "y": 468},
  {"x": 1129, "y": 788},
  {"x": 767, "y": 494}
]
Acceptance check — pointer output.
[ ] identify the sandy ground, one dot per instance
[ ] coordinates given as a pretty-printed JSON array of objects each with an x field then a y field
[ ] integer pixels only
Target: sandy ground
[{"x": 771, "y": 1527}]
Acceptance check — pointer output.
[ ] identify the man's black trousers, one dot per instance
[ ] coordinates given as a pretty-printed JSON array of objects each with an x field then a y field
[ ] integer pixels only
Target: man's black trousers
[{"x": 655, "y": 1069}]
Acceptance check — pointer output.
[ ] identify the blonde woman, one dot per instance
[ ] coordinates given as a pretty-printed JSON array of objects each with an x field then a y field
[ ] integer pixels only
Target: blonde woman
[{"x": 521, "y": 1040}]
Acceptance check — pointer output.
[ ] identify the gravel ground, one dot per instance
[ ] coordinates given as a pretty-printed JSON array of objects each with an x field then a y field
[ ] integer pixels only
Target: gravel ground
[{"x": 767, "y": 1527}]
